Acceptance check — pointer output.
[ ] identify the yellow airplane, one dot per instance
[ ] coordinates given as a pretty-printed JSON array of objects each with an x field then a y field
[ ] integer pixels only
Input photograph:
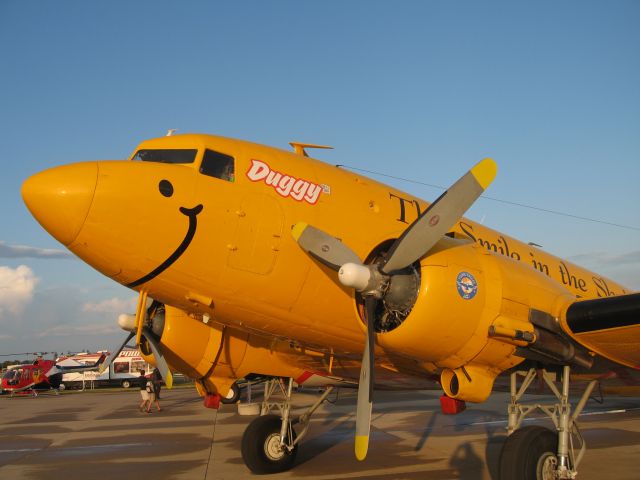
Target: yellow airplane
[{"x": 251, "y": 260}]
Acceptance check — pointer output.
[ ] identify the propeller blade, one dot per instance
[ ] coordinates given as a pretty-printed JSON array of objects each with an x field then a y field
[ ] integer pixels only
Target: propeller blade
[
  {"x": 115, "y": 353},
  {"x": 441, "y": 215},
  {"x": 323, "y": 247},
  {"x": 160, "y": 361},
  {"x": 365, "y": 385},
  {"x": 141, "y": 313}
]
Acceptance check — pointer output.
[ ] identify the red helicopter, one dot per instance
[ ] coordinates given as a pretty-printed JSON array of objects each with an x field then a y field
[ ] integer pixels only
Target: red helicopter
[{"x": 40, "y": 375}]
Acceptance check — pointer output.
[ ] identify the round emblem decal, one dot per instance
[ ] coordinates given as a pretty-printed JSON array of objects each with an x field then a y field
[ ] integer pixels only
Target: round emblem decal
[{"x": 467, "y": 285}]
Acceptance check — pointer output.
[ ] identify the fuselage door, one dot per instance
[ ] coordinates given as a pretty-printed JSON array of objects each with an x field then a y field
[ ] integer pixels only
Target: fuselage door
[{"x": 258, "y": 234}]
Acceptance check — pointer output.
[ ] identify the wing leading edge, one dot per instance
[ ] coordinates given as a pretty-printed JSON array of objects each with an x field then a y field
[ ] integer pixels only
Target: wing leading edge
[{"x": 608, "y": 326}]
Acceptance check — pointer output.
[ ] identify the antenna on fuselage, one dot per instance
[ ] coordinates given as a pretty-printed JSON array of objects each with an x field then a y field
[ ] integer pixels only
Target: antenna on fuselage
[
  {"x": 170, "y": 132},
  {"x": 299, "y": 148}
]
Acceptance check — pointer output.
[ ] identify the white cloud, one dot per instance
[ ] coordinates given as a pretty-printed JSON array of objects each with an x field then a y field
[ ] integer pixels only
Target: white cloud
[
  {"x": 25, "y": 251},
  {"x": 112, "y": 305},
  {"x": 76, "y": 330},
  {"x": 603, "y": 259},
  {"x": 623, "y": 268},
  {"x": 16, "y": 288}
]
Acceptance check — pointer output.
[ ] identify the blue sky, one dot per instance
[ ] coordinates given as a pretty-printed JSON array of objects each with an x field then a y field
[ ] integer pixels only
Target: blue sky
[{"x": 415, "y": 89}]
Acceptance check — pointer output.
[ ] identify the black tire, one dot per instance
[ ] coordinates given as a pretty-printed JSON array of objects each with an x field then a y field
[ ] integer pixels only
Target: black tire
[
  {"x": 126, "y": 384},
  {"x": 260, "y": 435},
  {"x": 233, "y": 396},
  {"x": 525, "y": 453}
]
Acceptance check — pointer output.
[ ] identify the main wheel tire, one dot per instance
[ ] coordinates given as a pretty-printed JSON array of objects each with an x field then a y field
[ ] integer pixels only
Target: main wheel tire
[
  {"x": 233, "y": 396},
  {"x": 126, "y": 384},
  {"x": 261, "y": 450},
  {"x": 529, "y": 454}
]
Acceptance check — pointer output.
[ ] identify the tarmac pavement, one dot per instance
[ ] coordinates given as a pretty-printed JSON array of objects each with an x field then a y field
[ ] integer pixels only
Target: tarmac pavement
[{"x": 102, "y": 435}]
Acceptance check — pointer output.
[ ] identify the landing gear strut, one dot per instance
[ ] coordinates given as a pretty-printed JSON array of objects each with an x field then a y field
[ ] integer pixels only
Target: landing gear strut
[
  {"x": 538, "y": 453},
  {"x": 270, "y": 444}
]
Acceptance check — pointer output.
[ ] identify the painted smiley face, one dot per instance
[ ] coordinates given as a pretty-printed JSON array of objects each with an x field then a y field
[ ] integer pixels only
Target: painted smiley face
[{"x": 166, "y": 190}]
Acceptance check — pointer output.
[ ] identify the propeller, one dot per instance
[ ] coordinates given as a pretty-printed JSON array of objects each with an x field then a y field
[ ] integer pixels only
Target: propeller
[
  {"x": 365, "y": 385},
  {"x": 374, "y": 281},
  {"x": 138, "y": 327},
  {"x": 441, "y": 215},
  {"x": 115, "y": 353}
]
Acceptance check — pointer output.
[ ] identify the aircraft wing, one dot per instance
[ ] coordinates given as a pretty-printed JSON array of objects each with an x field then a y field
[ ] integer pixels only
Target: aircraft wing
[{"x": 607, "y": 326}]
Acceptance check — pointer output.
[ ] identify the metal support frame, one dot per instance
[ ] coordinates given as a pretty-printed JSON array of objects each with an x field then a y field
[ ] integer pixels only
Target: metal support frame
[
  {"x": 559, "y": 413},
  {"x": 277, "y": 394}
]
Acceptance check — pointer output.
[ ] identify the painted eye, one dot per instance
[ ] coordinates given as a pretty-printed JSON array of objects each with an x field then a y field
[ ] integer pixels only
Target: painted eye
[{"x": 165, "y": 188}]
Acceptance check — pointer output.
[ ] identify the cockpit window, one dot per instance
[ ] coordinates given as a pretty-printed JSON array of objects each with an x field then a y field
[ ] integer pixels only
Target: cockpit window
[
  {"x": 166, "y": 155},
  {"x": 218, "y": 165}
]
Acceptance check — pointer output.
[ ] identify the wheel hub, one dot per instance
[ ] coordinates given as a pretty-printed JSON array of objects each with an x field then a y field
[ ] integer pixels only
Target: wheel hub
[
  {"x": 547, "y": 467},
  {"x": 272, "y": 447}
]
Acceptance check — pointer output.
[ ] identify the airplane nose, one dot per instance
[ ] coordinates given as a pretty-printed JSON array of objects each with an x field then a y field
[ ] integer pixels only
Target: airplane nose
[{"x": 60, "y": 198}]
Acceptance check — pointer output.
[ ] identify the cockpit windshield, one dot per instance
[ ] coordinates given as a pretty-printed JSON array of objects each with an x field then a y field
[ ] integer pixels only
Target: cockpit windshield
[
  {"x": 166, "y": 155},
  {"x": 12, "y": 376}
]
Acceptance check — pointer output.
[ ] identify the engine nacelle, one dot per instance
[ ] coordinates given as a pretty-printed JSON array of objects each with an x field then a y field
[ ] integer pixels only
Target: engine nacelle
[
  {"x": 215, "y": 355},
  {"x": 464, "y": 290}
]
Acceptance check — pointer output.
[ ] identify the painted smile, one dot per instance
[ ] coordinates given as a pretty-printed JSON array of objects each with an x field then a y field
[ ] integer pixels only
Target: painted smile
[{"x": 192, "y": 214}]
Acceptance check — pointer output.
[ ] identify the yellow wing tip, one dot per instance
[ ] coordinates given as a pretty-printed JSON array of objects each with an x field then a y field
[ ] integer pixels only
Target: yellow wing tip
[
  {"x": 485, "y": 171},
  {"x": 297, "y": 230},
  {"x": 362, "y": 446}
]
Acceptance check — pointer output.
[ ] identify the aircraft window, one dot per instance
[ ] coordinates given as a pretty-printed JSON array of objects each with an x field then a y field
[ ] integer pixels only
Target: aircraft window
[
  {"x": 12, "y": 377},
  {"x": 218, "y": 165},
  {"x": 166, "y": 155},
  {"x": 120, "y": 367}
]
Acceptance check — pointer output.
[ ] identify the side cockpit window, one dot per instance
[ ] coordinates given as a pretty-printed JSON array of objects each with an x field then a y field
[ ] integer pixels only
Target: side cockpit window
[
  {"x": 219, "y": 165},
  {"x": 164, "y": 155}
]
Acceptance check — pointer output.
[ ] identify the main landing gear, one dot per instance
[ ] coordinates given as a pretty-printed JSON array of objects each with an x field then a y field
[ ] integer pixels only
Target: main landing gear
[
  {"x": 538, "y": 453},
  {"x": 533, "y": 452},
  {"x": 270, "y": 444}
]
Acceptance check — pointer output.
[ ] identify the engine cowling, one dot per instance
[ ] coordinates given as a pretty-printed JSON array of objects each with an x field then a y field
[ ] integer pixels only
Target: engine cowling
[{"x": 464, "y": 290}]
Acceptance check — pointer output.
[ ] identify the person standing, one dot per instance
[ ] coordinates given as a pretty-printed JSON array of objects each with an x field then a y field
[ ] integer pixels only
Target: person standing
[
  {"x": 150, "y": 393},
  {"x": 156, "y": 379},
  {"x": 156, "y": 376},
  {"x": 142, "y": 382}
]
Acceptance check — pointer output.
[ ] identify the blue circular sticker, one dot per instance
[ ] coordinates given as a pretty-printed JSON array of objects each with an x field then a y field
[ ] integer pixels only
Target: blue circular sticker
[{"x": 467, "y": 285}]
